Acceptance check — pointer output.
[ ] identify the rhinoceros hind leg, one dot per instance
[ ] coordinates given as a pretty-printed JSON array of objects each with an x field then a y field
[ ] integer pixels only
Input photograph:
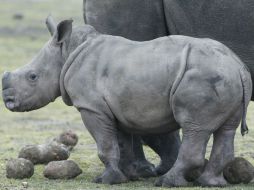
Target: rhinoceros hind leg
[
  {"x": 191, "y": 156},
  {"x": 222, "y": 153}
]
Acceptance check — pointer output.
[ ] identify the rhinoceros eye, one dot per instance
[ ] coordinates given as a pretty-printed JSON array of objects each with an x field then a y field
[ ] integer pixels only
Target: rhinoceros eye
[{"x": 33, "y": 77}]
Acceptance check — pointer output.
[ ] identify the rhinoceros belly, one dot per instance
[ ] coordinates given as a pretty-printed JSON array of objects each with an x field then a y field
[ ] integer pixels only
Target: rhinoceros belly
[{"x": 150, "y": 118}]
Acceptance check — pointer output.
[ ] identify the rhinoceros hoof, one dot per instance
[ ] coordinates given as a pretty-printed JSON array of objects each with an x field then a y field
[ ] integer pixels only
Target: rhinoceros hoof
[
  {"x": 159, "y": 181},
  {"x": 205, "y": 181},
  {"x": 145, "y": 169},
  {"x": 111, "y": 176},
  {"x": 168, "y": 180},
  {"x": 130, "y": 172}
]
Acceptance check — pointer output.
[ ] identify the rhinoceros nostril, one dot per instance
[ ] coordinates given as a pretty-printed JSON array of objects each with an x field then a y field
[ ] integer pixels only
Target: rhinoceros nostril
[{"x": 9, "y": 99}]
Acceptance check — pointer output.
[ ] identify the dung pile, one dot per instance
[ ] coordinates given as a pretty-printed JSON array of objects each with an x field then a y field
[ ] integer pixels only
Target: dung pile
[
  {"x": 45, "y": 153},
  {"x": 239, "y": 171},
  {"x": 55, "y": 154},
  {"x": 65, "y": 169},
  {"x": 19, "y": 168},
  {"x": 68, "y": 138}
]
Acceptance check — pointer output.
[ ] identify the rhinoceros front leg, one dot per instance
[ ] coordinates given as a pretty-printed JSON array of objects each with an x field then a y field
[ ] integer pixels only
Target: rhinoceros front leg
[
  {"x": 133, "y": 162},
  {"x": 143, "y": 167},
  {"x": 104, "y": 132},
  {"x": 132, "y": 159}
]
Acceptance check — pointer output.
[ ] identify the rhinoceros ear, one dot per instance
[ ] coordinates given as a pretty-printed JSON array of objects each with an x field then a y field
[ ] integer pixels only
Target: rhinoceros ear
[
  {"x": 51, "y": 25},
  {"x": 63, "y": 31}
]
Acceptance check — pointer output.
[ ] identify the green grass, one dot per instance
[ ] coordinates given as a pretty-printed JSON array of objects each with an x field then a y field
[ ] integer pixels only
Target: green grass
[{"x": 17, "y": 47}]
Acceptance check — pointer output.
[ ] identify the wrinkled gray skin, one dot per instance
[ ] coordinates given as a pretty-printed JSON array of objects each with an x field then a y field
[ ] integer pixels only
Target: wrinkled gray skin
[
  {"x": 145, "y": 20},
  {"x": 228, "y": 21},
  {"x": 143, "y": 88}
]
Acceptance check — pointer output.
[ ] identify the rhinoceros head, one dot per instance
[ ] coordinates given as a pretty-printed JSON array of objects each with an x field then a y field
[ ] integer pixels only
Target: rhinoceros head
[{"x": 37, "y": 83}]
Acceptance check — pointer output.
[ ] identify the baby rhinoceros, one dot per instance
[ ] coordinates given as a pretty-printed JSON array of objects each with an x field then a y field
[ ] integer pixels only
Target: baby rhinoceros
[{"x": 147, "y": 88}]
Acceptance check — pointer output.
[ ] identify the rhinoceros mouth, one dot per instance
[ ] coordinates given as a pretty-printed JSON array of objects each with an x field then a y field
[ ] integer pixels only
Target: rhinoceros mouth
[
  {"x": 9, "y": 99},
  {"x": 10, "y": 103}
]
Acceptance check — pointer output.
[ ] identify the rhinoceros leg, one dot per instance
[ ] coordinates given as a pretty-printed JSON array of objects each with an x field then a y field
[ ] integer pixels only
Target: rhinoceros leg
[
  {"x": 167, "y": 147},
  {"x": 132, "y": 159},
  {"x": 127, "y": 156},
  {"x": 143, "y": 167},
  {"x": 222, "y": 153},
  {"x": 103, "y": 130},
  {"x": 133, "y": 162},
  {"x": 199, "y": 112},
  {"x": 191, "y": 156}
]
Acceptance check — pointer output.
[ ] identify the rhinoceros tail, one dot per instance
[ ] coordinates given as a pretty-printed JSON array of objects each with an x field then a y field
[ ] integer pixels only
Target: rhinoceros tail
[{"x": 247, "y": 89}]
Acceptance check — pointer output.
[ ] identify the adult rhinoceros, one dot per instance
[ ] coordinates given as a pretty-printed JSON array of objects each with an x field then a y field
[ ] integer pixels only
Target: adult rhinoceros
[
  {"x": 228, "y": 21},
  {"x": 138, "y": 20}
]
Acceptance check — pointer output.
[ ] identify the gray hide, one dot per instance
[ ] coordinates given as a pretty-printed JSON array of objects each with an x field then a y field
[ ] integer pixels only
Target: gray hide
[
  {"x": 133, "y": 19},
  {"x": 145, "y": 88},
  {"x": 228, "y": 21},
  {"x": 137, "y": 20},
  {"x": 150, "y": 88}
]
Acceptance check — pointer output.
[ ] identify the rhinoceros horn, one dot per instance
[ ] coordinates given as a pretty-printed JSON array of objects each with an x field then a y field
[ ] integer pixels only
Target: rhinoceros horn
[{"x": 51, "y": 25}]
